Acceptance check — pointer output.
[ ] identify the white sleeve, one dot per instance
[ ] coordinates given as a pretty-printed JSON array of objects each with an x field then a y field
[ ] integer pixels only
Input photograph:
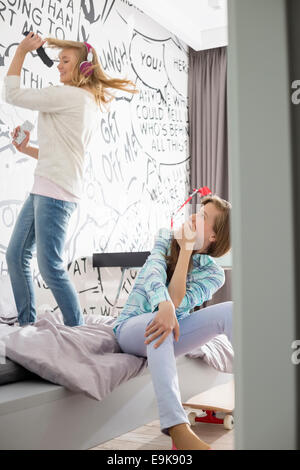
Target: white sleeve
[{"x": 48, "y": 99}]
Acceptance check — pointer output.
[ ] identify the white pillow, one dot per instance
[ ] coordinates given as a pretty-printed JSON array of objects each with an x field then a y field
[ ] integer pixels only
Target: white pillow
[{"x": 217, "y": 353}]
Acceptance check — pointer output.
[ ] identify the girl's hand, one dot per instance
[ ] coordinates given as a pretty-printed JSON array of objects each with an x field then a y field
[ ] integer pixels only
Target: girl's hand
[
  {"x": 31, "y": 42},
  {"x": 23, "y": 145},
  {"x": 163, "y": 323},
  {"x": 186, "y": 236}
]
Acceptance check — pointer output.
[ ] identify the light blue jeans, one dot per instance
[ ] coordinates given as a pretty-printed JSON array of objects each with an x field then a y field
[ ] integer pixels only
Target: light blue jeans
[
  {"x": 195, "y": 330},
  {"x": 42, "y": 224}
]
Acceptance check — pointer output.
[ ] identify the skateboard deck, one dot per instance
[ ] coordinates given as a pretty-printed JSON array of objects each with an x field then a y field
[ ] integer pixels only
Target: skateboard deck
[{"x": 205, "y": 406}]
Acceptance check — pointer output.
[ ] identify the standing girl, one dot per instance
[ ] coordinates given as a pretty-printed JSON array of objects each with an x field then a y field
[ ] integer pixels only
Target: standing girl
[
  {"x": 67, "y": 115},
  {"x": 179, "y": 274}
]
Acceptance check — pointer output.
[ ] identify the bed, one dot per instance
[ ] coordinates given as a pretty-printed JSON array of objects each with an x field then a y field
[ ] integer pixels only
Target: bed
[{"x": 39, "y": 414}]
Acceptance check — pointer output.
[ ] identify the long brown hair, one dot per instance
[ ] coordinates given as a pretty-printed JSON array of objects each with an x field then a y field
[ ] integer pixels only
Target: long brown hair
[
  {"x": 98, "y": 82},
  {"x": 221, "y": 228}
]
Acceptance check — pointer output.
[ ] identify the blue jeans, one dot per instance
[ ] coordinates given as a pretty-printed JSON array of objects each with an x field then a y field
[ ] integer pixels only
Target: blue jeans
[
  {"x": 42, "y": 224},
  {"x": 195, "y": 330}
]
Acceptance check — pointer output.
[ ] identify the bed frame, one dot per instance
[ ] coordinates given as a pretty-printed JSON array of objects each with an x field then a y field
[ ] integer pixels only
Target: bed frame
[{"x": 38, "y": 415}]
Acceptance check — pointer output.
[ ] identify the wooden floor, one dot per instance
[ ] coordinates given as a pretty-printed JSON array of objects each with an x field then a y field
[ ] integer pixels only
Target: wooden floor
[{"x": 150, "y": 437}]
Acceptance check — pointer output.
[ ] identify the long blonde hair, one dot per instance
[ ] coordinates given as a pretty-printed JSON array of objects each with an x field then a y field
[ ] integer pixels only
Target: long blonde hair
[
  {"x": 221, "y": 228},
  {"x": 98, "y": 82}
]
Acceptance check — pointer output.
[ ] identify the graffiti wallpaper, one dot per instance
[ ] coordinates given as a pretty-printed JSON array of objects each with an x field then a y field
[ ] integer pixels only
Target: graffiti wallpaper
[{"x": 137, "y": 170}]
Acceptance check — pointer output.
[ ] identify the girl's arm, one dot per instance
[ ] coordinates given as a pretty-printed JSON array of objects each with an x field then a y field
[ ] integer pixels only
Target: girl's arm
[
  {"x": 203, "y": 284},
  {"x": 23, "y": 146},
  {"x": 30, "y": 43},
  {"x": 15, "y": 69},
  {"x": 186, "y": 237},
  {"x": 155, "y": 275},
  {"x": 48, "y": 99},
  {"x": 17, "y": 62},
  {"x": 32, "y": 152},
  {"x": 177, "y": 285}
]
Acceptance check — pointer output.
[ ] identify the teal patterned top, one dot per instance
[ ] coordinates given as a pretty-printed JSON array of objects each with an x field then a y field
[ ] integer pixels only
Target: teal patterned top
[{"x": 151, "y": 286}]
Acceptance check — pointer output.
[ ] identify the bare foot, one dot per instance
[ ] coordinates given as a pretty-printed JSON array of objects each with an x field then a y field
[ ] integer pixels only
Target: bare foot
[{"x": 184, "y": 438}]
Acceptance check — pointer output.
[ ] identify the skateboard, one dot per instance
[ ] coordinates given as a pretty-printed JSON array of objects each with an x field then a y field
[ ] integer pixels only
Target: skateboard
[{"x": 215, "y": 405}]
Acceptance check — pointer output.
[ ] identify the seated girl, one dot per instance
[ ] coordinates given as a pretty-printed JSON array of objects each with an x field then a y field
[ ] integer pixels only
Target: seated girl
[{"x": 157, "y": 320}]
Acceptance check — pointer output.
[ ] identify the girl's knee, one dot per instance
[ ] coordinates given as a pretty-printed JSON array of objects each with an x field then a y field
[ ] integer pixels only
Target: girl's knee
[
  {"x": 167, "y": 343},
  {"x": 49, "y": 271}
]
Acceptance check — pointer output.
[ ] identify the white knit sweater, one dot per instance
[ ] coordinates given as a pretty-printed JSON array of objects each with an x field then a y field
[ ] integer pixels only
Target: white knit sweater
[{"x": 66, "y": 122}]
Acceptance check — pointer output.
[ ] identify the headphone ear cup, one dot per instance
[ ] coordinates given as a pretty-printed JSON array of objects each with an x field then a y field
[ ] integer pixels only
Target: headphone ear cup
[{"x": 85, "y": 68}]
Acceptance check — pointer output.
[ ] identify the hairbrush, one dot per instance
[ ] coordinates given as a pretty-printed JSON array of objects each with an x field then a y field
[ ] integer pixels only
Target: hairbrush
[{"x": 42, "y": 54}]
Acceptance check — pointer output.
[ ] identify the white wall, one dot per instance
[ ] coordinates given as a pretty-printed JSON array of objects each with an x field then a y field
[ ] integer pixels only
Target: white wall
[{"x": 137, "y": 172}]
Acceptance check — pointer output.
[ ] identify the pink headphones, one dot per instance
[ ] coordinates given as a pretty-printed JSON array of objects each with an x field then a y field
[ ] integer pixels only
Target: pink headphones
[{"x": 85, "y": 66}]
